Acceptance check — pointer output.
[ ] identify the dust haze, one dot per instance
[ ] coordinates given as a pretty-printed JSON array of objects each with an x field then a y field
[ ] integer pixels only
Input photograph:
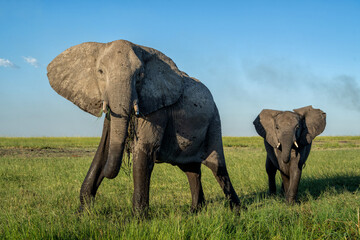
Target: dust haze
[{"x": 299, "y": 83}]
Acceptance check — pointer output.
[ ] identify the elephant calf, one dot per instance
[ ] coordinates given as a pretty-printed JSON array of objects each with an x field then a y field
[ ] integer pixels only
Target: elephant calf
[
  {"x": 176, "y": 117},
  {"x": 288, "y": 137}
]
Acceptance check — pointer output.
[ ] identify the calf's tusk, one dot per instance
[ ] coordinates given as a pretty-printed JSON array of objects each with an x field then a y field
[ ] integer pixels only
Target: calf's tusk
[
  {"x": 278, "y": 145},
  {"x": 136, "y": 109},
  {"x": 104, "y": 107},
  {"x": 296, "y": 145}
]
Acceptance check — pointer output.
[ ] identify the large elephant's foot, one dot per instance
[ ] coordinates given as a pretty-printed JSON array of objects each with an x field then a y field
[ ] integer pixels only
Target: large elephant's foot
[
  {"x": 85, "y": 205},
  {"x": 87, "y": 198},
  {"x": 141, "y": 212},
  {"x": 89, "y": 188}
]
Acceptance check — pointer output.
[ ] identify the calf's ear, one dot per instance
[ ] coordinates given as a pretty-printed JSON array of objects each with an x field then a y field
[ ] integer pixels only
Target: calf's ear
[
  {"x": 315, "y": 122},
  {"x": 265, "y": 126}
]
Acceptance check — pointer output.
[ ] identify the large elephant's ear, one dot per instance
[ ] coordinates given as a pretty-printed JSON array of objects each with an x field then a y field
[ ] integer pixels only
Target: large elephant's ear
[
  {"x": 73, "y": 75},
  {"x": 265, "y": 126},
  {"x": 162, "y": 83},
  {"x": 315, "y": 121}
]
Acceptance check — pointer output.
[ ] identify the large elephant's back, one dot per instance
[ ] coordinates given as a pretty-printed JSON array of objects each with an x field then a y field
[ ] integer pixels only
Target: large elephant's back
[{"x": 197, "y": 99}]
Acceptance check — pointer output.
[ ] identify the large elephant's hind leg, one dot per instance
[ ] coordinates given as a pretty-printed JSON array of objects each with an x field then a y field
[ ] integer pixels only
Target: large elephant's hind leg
[
  {"x": 193, "y": 173},
  {"x": 222, "y": 176},
  {"x": 216, "y": 161},
  {"x": 95, "y": 174}
]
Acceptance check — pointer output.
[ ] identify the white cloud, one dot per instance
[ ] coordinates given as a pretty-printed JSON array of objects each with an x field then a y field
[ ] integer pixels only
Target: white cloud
[
  {"x": 32, "y": 61},
  {"x": 7, "y": 63}
]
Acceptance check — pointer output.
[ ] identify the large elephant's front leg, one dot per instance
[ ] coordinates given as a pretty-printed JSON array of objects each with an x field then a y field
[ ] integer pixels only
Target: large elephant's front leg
[
  {"x": 95, "y": 175},
  {"x": 149, "y": 134},
  {"x": 143, "y": 165}
]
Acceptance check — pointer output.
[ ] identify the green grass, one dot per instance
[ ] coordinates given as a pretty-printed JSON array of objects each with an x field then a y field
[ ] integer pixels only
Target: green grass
[
  {"x": 40, "y": 180},
  {"x": 45, "y": 143}
]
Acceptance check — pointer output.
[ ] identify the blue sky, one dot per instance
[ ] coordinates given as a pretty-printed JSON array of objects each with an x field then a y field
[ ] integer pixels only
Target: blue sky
[{"x": 250, "y": 54}]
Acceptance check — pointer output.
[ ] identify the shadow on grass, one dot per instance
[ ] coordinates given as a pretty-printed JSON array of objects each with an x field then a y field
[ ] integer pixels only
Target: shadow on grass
[
  {"x": 338, "y": 184},
  {"x": 315, "y": 187},
  {"x": 245, "y": 200}
]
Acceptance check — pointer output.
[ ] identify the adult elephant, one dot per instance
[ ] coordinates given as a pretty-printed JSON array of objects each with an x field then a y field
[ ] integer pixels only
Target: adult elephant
[
  {"x": 176, "y": 118},
  {"x": 288, "y": 137}
]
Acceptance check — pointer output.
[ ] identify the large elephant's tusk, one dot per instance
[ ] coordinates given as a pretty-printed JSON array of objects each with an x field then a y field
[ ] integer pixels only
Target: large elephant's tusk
[
  {"x": 278, "y": 145},
  {"x": 104, "y": 107},
  {"x": 296, "y": 145},
  {"x": 136, "y": 109}
]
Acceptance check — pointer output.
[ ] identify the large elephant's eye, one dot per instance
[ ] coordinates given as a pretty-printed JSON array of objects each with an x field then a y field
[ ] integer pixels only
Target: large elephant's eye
[{"x": 101, "y": 71}]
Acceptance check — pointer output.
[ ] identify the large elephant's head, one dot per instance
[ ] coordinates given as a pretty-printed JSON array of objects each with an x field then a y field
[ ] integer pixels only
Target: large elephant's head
[
  {"x": 118, "y": 76},
  {"x": 284, "y": 129}
]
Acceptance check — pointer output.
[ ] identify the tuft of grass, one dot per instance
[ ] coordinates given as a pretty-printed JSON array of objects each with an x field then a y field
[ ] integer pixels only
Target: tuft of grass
[
  {"x": 40, "y": 180},
  {"x": 243, "y": 142}
]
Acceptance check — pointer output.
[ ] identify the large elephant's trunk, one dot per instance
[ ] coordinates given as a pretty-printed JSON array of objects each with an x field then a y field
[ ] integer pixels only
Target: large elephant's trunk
[
  {"x": 118, "y": 134},
  {"x": 120, "y": 108}
]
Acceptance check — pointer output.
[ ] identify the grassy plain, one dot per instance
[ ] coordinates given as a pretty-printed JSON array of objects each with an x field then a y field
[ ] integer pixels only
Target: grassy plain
[{"x": 40, "y": 180}]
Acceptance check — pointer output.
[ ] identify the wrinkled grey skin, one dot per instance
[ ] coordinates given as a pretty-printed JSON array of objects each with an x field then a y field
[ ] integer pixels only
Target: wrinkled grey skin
[
  {"x": 177, "y": 120},
  {"x": 288, "y": 137}
]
